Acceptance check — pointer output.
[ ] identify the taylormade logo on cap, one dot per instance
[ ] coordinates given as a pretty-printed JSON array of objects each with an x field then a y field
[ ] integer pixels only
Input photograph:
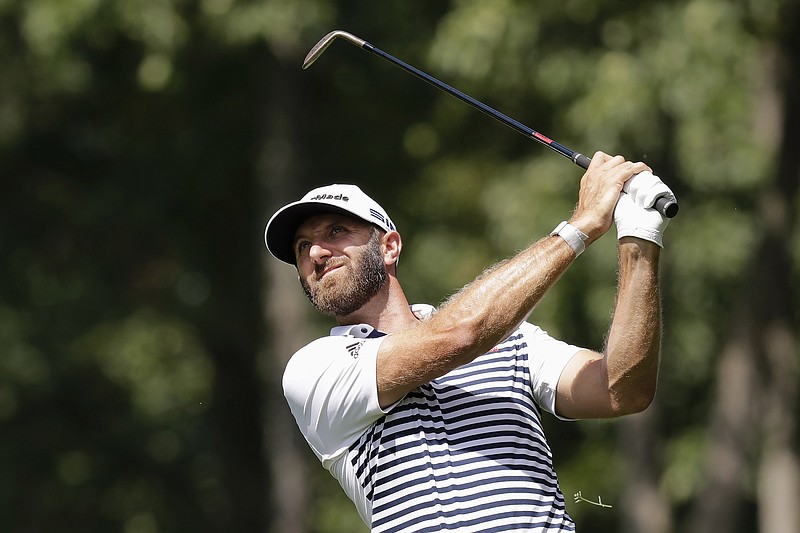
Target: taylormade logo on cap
[
  {"x": 362, "y": 205},
  {"x": 341, "y": 198},
  {"x": 330, "y": 197}
]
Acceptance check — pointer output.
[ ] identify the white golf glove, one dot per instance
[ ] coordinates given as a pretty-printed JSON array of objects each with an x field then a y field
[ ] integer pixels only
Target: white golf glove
[
  {"x": 644, "y": 189},
  {"x": 634, "y": 215},
  {"x": 635, "y": 221}
]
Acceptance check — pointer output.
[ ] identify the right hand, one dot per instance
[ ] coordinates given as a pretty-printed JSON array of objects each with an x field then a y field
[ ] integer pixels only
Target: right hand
[{"x": 600, "y": 188}]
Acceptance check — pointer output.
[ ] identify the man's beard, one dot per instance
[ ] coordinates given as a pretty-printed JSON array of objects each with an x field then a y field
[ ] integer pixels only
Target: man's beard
[{"x": 365, "y": 277}]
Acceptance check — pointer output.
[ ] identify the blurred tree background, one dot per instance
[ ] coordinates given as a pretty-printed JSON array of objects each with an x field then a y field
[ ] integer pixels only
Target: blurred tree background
[{"x": 144, "y": 328}]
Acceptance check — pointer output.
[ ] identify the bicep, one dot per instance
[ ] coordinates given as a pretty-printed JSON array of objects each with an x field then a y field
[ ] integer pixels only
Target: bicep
[{"x": 583, "y": 388}]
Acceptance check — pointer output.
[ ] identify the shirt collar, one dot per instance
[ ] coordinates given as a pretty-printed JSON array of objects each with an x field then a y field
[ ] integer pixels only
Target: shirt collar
[
  {"x": 359, "y": 331},
  {"x": 364, "y": 331}
]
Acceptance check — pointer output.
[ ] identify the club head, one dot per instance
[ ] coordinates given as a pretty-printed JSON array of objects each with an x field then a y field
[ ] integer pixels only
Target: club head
[{"x": 326, "y": 41}]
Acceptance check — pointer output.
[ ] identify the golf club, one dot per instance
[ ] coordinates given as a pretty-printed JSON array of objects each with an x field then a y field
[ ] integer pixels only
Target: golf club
[{"x": 664, "y": 205}]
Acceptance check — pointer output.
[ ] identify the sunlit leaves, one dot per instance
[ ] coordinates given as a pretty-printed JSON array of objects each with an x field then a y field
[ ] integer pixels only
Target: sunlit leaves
[
  {"x": 281, "y": 23},
  {"x": 158, "y": 359},
  {"x": 684, "y": 456},
  {"x": 717, "y": 224},
  {"x": 471, "y": 41},
  {"x": 48, "y": 25},
  {"x": 617, "y": 106},
  {"x": 159, "y": 25},
  {"x": 527, "y": 196},
  {"x": 706, "y": 65}
]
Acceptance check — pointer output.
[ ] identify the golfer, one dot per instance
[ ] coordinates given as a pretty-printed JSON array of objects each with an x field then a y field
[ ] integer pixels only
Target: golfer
[{"x": 430, "y": 419}]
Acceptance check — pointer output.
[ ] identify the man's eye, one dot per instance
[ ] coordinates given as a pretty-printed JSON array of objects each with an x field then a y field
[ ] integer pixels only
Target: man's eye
[{"x": 303, "y": 245}]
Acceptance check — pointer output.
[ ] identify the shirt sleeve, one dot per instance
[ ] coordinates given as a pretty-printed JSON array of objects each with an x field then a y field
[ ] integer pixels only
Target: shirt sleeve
[
  {"x": 547, "y": 359},
  {"x": 331, "y": 388}
]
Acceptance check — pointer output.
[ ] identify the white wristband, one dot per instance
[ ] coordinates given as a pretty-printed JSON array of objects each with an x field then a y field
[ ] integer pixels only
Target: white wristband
[{"x": 574, "y": 237}]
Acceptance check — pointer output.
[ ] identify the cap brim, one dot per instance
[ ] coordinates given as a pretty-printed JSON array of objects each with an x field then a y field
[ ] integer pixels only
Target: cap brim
[{"x": 279, "y": 235}]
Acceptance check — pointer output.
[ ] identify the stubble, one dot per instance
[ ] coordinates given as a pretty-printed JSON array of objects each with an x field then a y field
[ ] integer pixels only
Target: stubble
[{"x": 365, "y": 275}]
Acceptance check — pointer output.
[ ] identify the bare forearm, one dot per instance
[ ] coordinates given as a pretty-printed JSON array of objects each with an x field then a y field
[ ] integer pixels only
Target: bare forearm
[
  {"x": 634, "y": 340},
  {"x": 496, "y": 303},
  {"x": 474, "y": 320}
]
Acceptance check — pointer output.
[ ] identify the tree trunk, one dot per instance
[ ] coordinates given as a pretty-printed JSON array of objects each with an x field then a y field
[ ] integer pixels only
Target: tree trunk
[
  {"x": 779, "y": 480},
  {"x": 285, "y": 307},
  {"x": 719, "y": 506},
  {"x": 644, "y": 509}
]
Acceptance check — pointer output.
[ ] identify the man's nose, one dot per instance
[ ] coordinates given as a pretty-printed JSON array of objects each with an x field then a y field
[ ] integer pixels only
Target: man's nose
[{"x": 318, "y": 253}]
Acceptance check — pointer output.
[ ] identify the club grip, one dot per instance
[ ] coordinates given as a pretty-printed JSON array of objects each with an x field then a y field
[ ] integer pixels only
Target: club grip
[
  {"x": 666, "y": 206},
  {"x": 581, "y": 160}
]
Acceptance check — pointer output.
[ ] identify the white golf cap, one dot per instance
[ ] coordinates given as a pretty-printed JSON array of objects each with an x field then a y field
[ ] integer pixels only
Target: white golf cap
[{"x": 336, "y": 198}]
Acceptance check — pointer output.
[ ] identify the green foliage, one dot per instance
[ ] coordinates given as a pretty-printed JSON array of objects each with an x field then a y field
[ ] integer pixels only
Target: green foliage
[
  {"x": 158, "y": 360},
  {"x": 134, "y": 138}
]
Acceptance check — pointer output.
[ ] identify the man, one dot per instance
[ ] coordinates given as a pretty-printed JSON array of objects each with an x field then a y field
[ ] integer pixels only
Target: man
[{"x": 430, "y": 420}]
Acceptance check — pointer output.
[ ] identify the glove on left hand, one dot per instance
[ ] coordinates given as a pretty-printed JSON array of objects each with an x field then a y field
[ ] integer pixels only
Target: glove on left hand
[
  {"x": 635, "y": 221},
  {"x": 644, "y": 189}
]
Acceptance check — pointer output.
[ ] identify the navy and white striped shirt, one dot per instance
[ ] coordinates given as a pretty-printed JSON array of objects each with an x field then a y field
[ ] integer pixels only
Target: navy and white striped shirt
[{"x": 465, "y": 452}]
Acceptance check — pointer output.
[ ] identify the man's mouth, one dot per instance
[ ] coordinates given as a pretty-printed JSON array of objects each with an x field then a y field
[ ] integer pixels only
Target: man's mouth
[{"x": 328, "y": 269}]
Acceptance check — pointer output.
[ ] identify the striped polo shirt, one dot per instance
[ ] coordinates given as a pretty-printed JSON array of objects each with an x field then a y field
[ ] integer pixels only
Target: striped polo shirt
[{"x": 465, "y": 452}]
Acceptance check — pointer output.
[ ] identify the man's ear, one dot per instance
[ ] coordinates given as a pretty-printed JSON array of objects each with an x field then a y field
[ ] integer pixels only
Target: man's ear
[{"x": 391, "y": 245}]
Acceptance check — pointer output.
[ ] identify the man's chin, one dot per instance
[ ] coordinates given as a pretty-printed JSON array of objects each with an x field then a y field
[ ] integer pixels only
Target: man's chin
[
  {"x": 338, "y": 303},
  {"x": 335, "y": 310},
  {"x": 329, "y": 301}
]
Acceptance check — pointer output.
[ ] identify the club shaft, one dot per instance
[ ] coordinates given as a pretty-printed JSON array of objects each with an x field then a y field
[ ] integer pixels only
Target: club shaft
[
  {"x": 664, "y": 205},
  {"x": 577, "y": 158}
]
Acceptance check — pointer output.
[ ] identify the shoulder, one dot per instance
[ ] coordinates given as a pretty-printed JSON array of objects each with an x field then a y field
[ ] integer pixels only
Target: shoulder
[
  {"x": 547, "y": 355},
  {"x": 334, "y": 353},
  {"x": 318, "y": 351},
  {"x": 331, "y": 390},
  {"x": 324, "y": 346},
  {"x": 532, "y": 333}
]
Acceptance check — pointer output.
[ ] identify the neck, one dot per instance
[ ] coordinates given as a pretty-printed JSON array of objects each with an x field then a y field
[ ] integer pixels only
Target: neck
[{"x": 388, "y": 311}]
